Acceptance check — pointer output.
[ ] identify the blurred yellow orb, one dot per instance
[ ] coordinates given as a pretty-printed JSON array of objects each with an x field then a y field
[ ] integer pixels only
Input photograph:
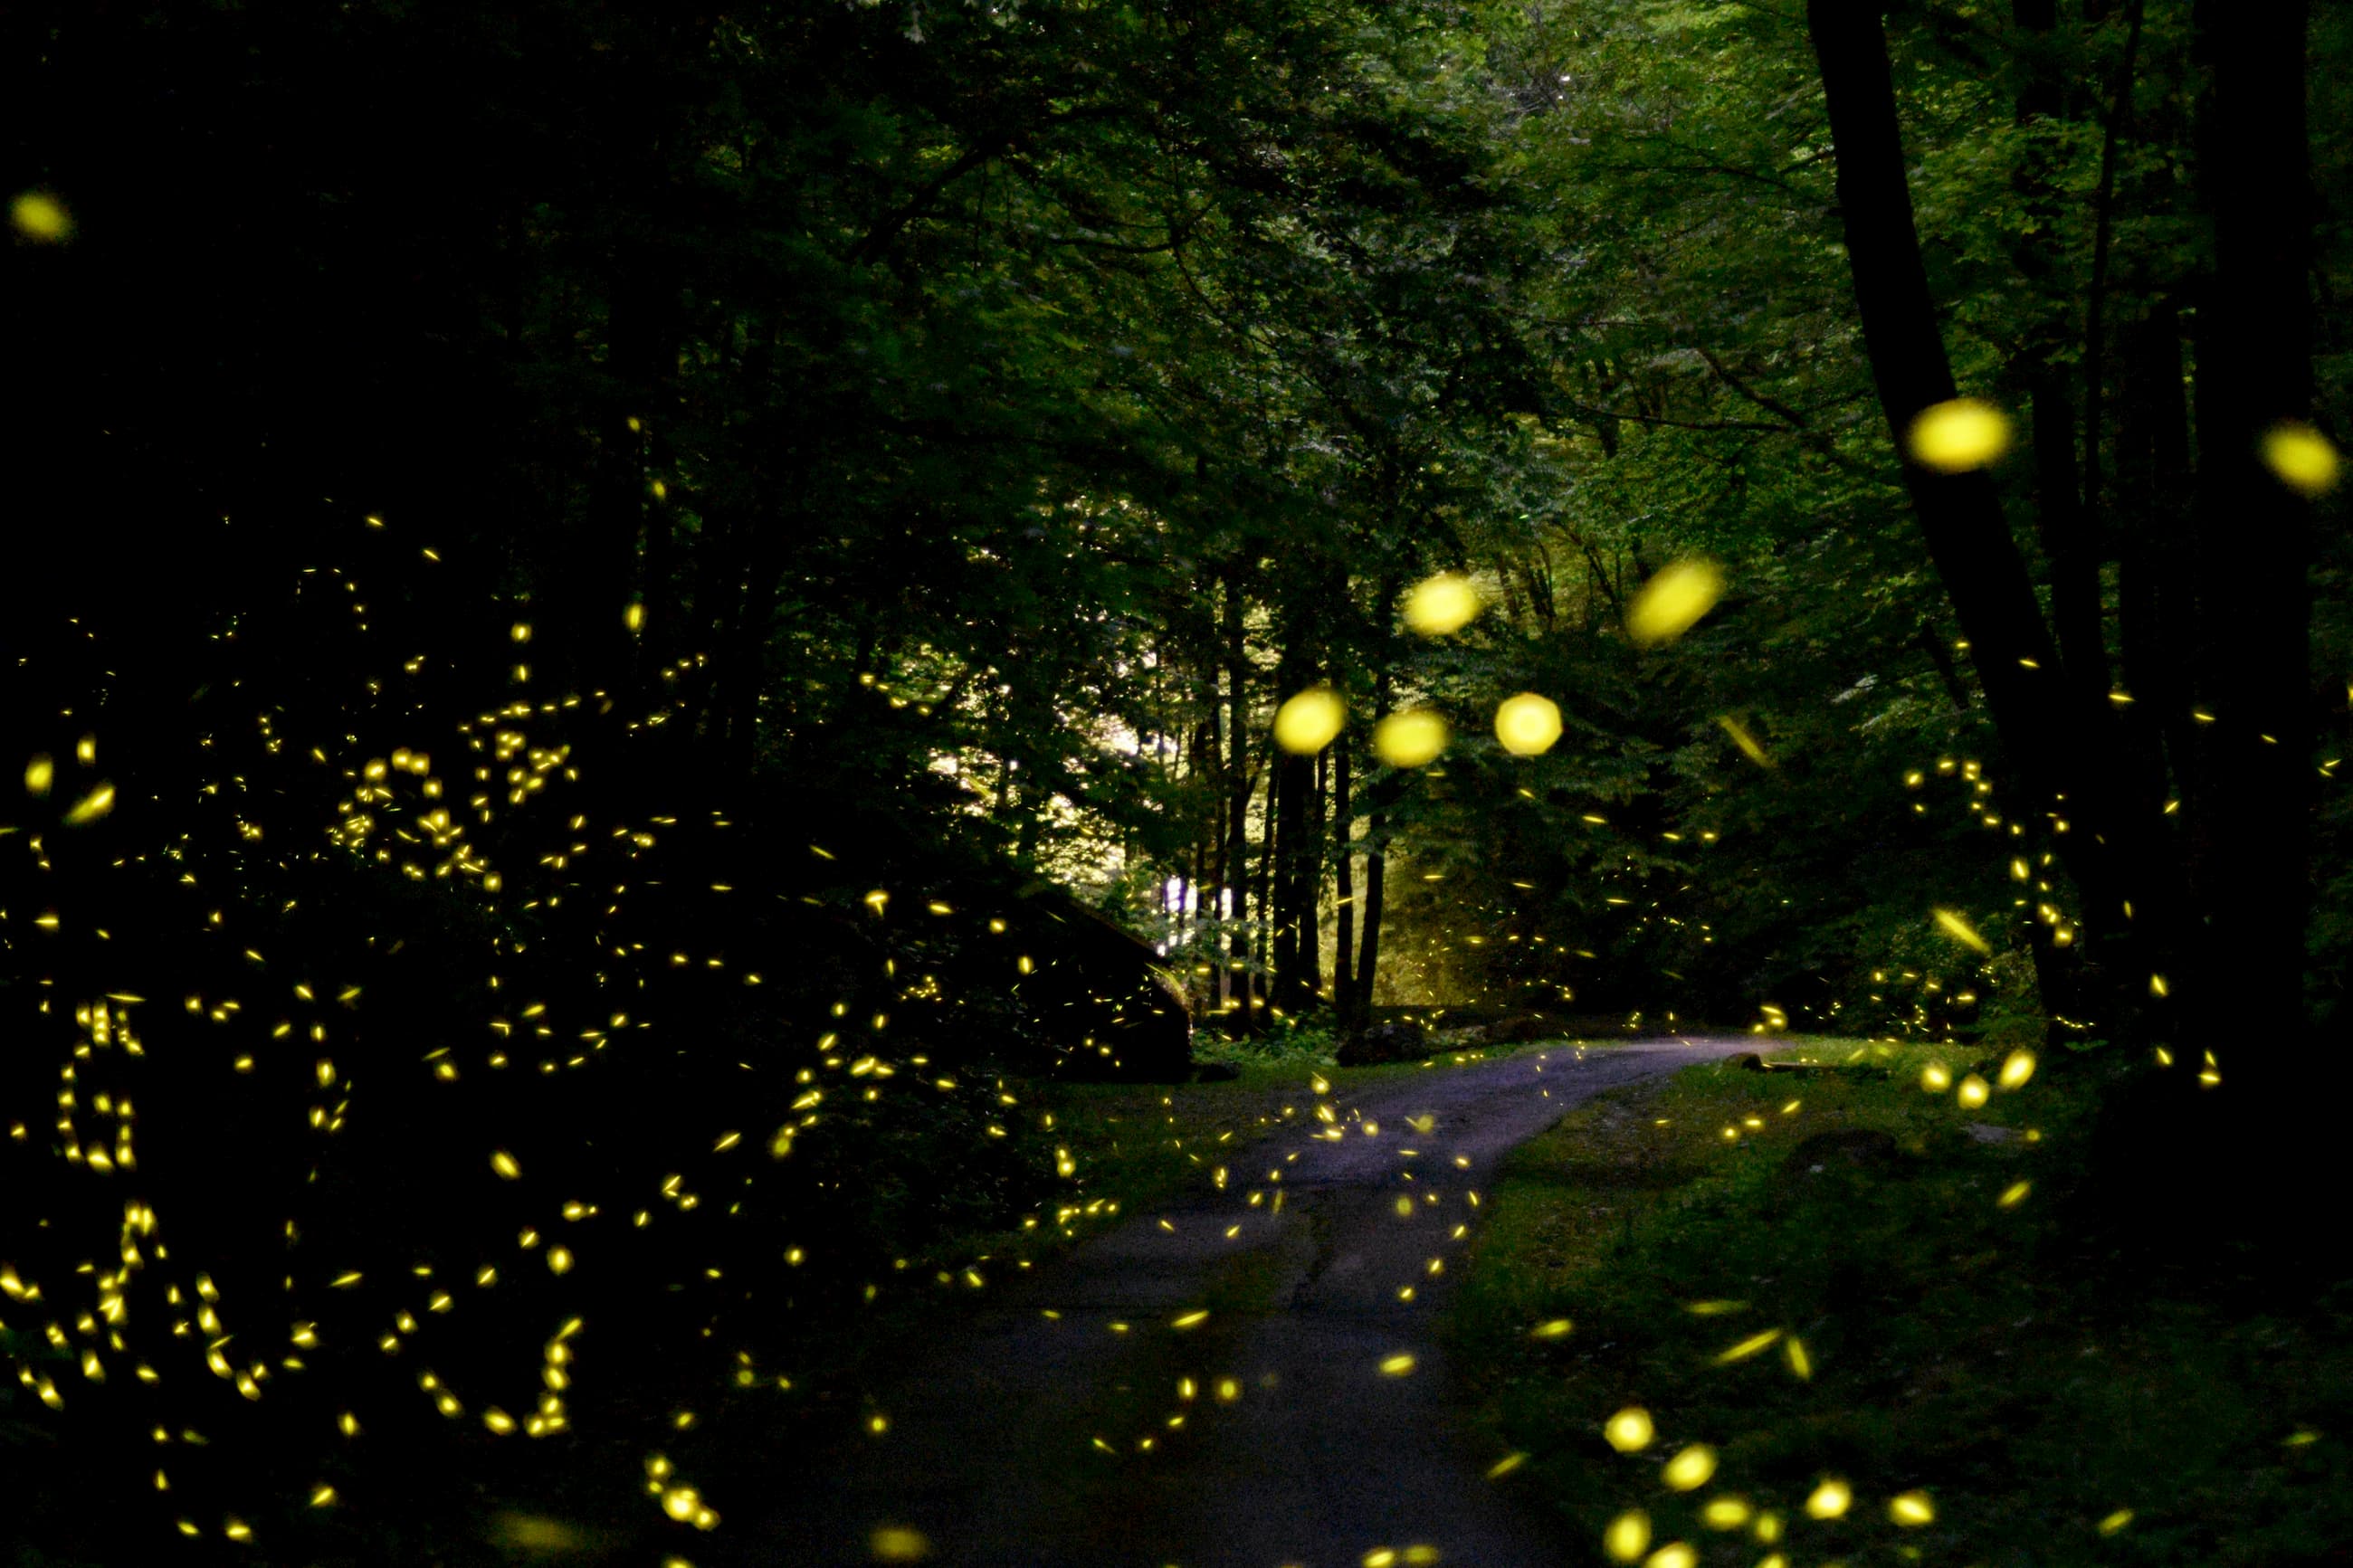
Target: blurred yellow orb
[
  {"x": 1629, "y": 1430},
  {"x": 2302, "y": 457},
  {"x": 1911, "y": 1509},
  {"x": 526, "y": 1533},
  {"x": 1669, "y": 603},
  {"x": 1725, "y": 1513},
  {"x": 1829, "y": 1499},
  {"x": 897, "y": 1543},
  {"x": 1443, "y": 604},
  {"x": 1410, "y": 739},
  {"x": 1309, "y": 722},
  {"x": 1527, "y": 724},
  {"x": 40, "y": 219},
  {"x": 1673, "y": 1554},
  {"x": 1956, "y": 437},
  {"x": 1691, "y": 1467},
  {"x": 1627, "y": 1536}
]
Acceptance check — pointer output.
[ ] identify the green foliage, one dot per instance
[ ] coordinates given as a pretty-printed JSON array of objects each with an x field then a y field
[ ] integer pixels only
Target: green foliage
[
  {"x": 1290, "y": 1043},
  {"x": 985, "y": 415},
  {"x": 1977, "y": 1351}
]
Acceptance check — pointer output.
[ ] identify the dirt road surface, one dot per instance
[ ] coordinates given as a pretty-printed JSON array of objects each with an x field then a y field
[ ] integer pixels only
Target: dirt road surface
[{"x": 1088, "y": 1419}]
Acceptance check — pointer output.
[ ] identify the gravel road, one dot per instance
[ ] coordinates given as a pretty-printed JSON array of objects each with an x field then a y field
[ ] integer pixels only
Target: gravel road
[{"x": 1073, "y": 1423}]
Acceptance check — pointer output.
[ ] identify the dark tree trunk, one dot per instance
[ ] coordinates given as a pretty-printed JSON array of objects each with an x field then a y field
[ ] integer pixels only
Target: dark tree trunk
[
  {"x": 1290, "y": 845},
  {"x": 2067, "y": 538},
  {"x": 1238, "y": 786},
  {"x": 1941, "y": 657},
  {"x": 2096, "y": 338},
  {"x": 2049, "y": 745},
  {"x": 744, "y": 657},
  {"x": 1368, "y": 944},
  {"x": 597, "y": 572},
  {"x": 2253, "y": 550},
  {"x": 657, "y": 600},
  {"x": 1268, "y": 880},
  {"x": 1311, "y": 879},
  {"x": 1344, "y": 919},
  {"x": 2068, "y": 542},
  {"x": 2156, "y": 602},
  {"x": 1369, "y": 950}
]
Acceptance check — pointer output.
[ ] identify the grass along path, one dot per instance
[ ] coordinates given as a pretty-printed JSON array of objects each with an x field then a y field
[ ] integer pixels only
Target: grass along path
[{"x": 1844, "y": 1278}]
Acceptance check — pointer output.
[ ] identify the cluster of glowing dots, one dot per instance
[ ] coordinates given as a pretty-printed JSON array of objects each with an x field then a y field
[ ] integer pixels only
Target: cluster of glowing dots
[
  {"x": 1628, "y": 1537},
  {"x": 40, "y": 776},
  {"x": 1527, "y": 724},
  {"x": 374, "y": 809},
  {"x": 679, "y": 1500}
]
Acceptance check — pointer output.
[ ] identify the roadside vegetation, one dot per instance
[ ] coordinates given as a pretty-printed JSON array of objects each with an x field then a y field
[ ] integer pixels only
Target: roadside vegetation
[{"x": 1866, "y": 1324}]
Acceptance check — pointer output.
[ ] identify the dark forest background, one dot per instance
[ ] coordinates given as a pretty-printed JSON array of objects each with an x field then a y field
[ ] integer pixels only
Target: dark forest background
[{"x": 543, "y": 514}]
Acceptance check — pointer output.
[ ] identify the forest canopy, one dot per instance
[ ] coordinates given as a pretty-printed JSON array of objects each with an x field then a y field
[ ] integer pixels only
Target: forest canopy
[
  {"x": 1001, "y": 410},
  {"x": 1632, "y": 513}
]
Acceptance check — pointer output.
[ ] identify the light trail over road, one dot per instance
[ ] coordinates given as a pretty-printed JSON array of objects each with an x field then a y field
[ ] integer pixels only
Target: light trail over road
[{"x": 1088, "y": 1419}]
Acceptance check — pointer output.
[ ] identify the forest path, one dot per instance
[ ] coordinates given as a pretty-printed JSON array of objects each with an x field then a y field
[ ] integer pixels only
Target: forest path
[{"x": 1051, "y": 1429}]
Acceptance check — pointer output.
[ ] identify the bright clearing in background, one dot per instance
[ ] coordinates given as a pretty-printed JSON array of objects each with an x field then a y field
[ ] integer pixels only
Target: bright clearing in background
[
  {"x": 1309, "y": 722},
  {"x": 1527, "y": 724},
  {"x": 2302, "y": 457},
  {"x": 1954, "y": 438},
  {"x": 1669, "y": 603},
  {"x": 1443, "y": 604},
  {"x": 1410, "y": 739}
]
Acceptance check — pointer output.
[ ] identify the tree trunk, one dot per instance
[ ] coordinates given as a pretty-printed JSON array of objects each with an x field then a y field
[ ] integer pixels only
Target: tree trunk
[
  {"x": 2253, "y": 549},
  {"x": 2118, "y": 120},
  {"x": 1238, "y": 785},
  {"x": 1369, "y": 945},
  {"x": 1290, "y": 845},
  {"x": 2157, "y": 610},
  {"x": 596, "y": 573},
  {"x": 1368, "y": 950},
  {"x": 2050, "y": 747},
  {"x": 1344, "y": 919},
  {"x": 1311, "y": 881},
  {"x": 1268, "y": 880},
  {"x": 2065, "y": 527}
]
